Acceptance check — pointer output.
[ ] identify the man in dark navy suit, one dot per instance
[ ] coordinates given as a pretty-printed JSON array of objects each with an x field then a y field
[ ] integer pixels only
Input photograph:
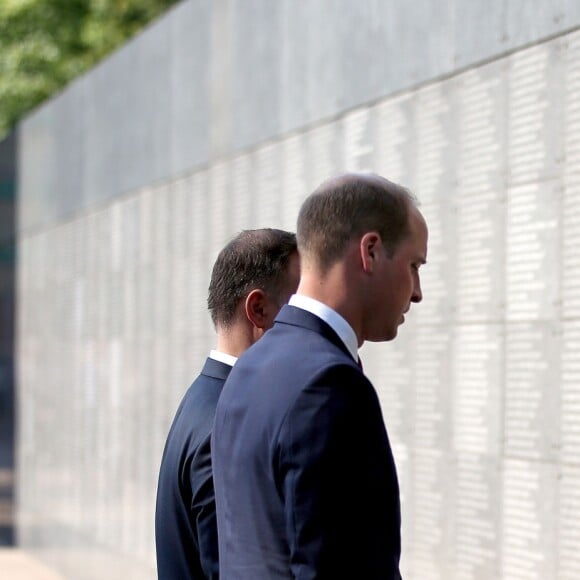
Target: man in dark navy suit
[
  {"x": 253, "y": 276},
  {"x": 305, "y": 481}
]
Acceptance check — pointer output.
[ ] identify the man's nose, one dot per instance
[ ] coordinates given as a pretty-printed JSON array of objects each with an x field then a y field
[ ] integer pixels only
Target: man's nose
[{"x": 417, "y": 293}]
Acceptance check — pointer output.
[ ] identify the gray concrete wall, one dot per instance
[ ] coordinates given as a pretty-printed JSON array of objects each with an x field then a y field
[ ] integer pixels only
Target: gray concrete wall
[
  {"x": 472, "y": 105},
  {"x": 215, "y": 77}
]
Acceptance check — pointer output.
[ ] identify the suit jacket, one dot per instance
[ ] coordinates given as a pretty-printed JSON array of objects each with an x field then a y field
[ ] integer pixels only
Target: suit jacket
[
  {"x": 304, "y": 477},
  {"x": 185, "y": 524}
]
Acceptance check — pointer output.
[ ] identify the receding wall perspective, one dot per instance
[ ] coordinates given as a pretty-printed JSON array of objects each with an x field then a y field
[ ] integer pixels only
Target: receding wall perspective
[{"x": 480, "y": 391}]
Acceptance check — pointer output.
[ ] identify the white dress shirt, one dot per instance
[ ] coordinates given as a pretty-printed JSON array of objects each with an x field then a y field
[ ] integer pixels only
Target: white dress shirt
[
  {"x": 331, "y": 317},
  {"x": 227, "y": 359}
]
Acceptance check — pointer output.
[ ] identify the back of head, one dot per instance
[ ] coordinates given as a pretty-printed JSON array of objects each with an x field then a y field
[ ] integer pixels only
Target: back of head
[
  {"x": 252, "y": 259},
  {"x": 345, "y": 207}
]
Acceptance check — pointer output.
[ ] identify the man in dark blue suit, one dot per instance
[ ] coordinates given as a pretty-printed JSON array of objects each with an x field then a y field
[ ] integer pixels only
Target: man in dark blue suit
[
  {"x": 305, "y": 481},
  {"x": 253, "y": 276}
]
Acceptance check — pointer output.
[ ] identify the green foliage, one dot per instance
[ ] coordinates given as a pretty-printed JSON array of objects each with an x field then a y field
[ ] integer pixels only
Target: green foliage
[{"x": 44, "y": 44}]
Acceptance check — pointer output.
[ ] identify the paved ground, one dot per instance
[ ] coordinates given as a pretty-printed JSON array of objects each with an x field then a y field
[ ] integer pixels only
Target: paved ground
[{"x": 18, "y": 565}]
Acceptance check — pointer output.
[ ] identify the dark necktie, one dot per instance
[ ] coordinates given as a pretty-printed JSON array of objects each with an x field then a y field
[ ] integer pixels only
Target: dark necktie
[{"x": 360, "y": 366}]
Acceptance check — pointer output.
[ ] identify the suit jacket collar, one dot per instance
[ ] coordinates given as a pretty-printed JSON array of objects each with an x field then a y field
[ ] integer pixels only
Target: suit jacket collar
[
  {"x": 216, "y": 369},
  {"x": 299, "y": 317}
]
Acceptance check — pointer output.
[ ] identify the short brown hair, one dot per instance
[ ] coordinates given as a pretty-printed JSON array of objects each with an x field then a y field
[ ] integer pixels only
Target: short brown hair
[
  {"x": 347, "y": 206},
  {"x": 252, "y": 259}
]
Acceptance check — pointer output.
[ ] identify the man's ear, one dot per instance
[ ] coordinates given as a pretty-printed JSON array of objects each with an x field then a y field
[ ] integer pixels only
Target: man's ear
[
  {"x": 370, "y": 246},
  {"x": 257, "y": 308}
]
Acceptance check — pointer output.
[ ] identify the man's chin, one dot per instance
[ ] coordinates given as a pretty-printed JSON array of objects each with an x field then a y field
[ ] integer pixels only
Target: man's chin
[{"x": 385, "y": 337}]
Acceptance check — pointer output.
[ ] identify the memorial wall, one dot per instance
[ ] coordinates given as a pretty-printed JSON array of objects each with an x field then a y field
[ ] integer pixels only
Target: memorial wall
[{"x": 480, "y": 391}]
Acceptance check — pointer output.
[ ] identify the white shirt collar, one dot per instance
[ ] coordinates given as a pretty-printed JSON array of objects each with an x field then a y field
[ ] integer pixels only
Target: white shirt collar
[
  {"x": 227, "y": 359},
  {"x": 331, "y": 317}
]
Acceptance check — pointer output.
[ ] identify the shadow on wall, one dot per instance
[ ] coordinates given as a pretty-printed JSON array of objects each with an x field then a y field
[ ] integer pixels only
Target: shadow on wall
[{"x": 7, "y": 309}]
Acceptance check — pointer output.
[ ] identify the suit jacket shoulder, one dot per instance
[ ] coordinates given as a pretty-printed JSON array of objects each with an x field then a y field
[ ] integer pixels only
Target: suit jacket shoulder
[{"x": 185, "y": 526}]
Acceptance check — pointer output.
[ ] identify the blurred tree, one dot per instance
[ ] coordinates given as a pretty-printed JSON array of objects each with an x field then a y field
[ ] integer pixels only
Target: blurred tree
[{"x": 44, "y": 44}]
